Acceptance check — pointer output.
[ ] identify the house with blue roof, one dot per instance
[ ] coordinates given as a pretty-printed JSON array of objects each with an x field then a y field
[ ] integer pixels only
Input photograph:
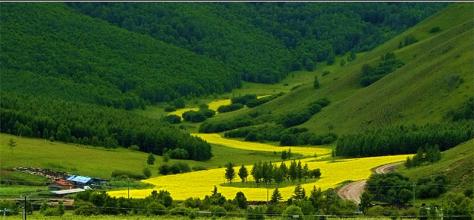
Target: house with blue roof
[{"x": 81, "y": 181}]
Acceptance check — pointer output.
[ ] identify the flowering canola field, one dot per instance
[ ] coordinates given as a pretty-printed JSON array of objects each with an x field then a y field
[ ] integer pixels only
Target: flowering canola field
[
  {"x": 255, "y": 146},
  {"x": 200, "y": 183}
]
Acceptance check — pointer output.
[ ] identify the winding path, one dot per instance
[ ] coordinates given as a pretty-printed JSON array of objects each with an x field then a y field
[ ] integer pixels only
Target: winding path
[{"x": 353, "y": 191}]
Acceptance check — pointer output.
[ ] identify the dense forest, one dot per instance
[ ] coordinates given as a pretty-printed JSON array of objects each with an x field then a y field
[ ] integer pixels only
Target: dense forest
[
  {"x": 53, "y": 51},
  {"x": 263, "y": 42},
  {"x": 404, "y": 139},
  {"x": 94, "y": 125}
]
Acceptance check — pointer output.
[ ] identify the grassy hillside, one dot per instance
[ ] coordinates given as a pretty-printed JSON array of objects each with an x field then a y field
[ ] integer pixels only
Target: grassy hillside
[
  {"x": 100, "y": 162},
  {"x": 456, "y": 163},
  {"x": 437, "y": 77}
]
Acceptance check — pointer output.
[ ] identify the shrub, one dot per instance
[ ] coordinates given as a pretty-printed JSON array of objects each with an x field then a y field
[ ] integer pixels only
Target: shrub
[
  {"x": 10, "y": 206},
  {"x": 179, "y": 103},
  {"x": 155, "y": 208},
  {"x": 435, "y": 29},
  {"x": 256, "y": 213},
  {"x": 194, "y": 116},
  {"x": 178, "y": 153},
  {"x": 198, "y": 167},
  {"x": 243, "y": 99},
  {"x": 164, "y": 169},
  {"x": 240, "y": 200},
  {"x": 179, "y": 211},
  {"x": 293, "y": 212},
  {"x": 85, "y": 209},
  {"x": 218, "y": 211},
  {"x": 229, "y": 108},
  {"x": 173, "y": 119}
]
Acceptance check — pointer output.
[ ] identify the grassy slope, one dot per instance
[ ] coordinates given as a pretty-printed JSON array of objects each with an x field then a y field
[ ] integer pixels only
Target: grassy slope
[
  {"x": 100, "y": 162},
  {"x": 418, "y": 92},
  {"x": 456, "y": 163}
]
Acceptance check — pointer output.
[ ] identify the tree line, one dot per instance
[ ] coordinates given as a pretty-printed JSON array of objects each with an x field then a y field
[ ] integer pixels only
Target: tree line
[
  {"x": 94, "y": 125},
  {"x": 286, "y": 37},
  {"x": 268, "y": 172},
  {"x": 404, "y": 139}
]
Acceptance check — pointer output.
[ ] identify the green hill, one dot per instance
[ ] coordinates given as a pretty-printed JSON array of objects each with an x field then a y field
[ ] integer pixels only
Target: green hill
[
  {"x": 263, "y": 42},
  {"x": 54, "y": 51},
  {"x": 436, "y": 77},
  {"x": 456, "y": 163}
]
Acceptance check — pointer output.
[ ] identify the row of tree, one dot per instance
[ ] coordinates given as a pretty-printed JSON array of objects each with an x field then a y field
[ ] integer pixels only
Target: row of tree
[
  {"x": 267, "y": 172},
  {"x": 404, "y": 139},
  {"x": 387, "y": 64},
  {"x": 425, "y": 155},
  {"x": 95, "y": 125}
]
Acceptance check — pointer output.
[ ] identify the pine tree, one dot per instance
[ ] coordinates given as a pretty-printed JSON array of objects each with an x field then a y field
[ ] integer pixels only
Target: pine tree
[
  {"x": 305, "y": 171},
  {"x": 299, "y": 193},
  {"x": 243, "y": 173},
  {"x": 229, "y": 172},
  {"x": 151, "y": 159},
  {"x": 284, "y": 170},
  {"x": 316, "y": 84},
  {"x": 276, "y": 196},
  {"x": 299, "y": 171},
  {"x": 292, "y": 172},
  {"x": 11, "y": 143}
]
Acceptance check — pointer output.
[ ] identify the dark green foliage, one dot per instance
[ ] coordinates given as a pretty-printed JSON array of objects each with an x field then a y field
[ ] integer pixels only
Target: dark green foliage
[
  {"x": 276, "y": 196},
  {"x": 464, "y": 112},
  {"x": 53, "y": 51},
  {"x": 387, "y": 64},
  {"x": 11, "y": 206},
  {"x": 127, "y": 174},
  {"x": 424, "y": 155},
  {"x": 256, "y": 213},
  {"x": 392, "y": 188},
  {"x": 229, "y": 171},
  {"x": 457, "y": 206},
  {"x": 178, "y": 153},
  {"x": 218, "y": 211},
  {"x": 85, "y": 209},
  {"x": 256, "y": 102},
  {"x": 293, "y": 212},
  {"x": 94, "y": 125},
  {"x": 179, "y": 103},
  {"x": 194, "y": 116},
  {"x": 243, "y": 99},
  {"x": 410, "y": 39},
  {"x": 162, "y": 197},
  {"x": 295, "y": 118},
  {"x": 240, "y": 200},
  {"x": 431, "y": 187},
  {"x": 404, "y": 139},
  {"x": 352, "y": 56},
  {"x": 267, "y": 172},
  {"x": 173, "y": 119},
  {"x": 229, "y": 108},
  {"x": 435, "y": 30},
  {"x": 316, "y": 83},
  {"x": 150, "y": 160},
  {"x": 243, "y": 173},
  {"x": 178, "y": 167},
  {"x": 155, "y": 208}
]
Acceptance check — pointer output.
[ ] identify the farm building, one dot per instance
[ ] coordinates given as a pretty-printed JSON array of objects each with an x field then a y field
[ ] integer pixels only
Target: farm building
[{"x": 81, "y": 181}]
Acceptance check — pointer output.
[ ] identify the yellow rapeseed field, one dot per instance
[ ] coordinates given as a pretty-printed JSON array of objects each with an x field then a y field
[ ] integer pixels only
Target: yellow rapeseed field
[
  {"x": 245, "y": 145},
  {"x": 200, "y": 183},
  {"x": 213, "y": 105}
]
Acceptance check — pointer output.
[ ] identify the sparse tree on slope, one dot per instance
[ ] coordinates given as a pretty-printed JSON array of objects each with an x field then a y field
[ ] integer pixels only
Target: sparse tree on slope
[{"x": 243, "y": 173}]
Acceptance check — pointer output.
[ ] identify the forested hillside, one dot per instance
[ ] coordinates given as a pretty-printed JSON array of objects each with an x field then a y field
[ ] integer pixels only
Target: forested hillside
[
  {"x": 263, "y": 42},
  {"x": 51, "y": 50}
]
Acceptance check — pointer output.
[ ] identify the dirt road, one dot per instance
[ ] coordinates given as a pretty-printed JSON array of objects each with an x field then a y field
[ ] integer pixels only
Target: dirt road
[{"x": 352, "y": 191}]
